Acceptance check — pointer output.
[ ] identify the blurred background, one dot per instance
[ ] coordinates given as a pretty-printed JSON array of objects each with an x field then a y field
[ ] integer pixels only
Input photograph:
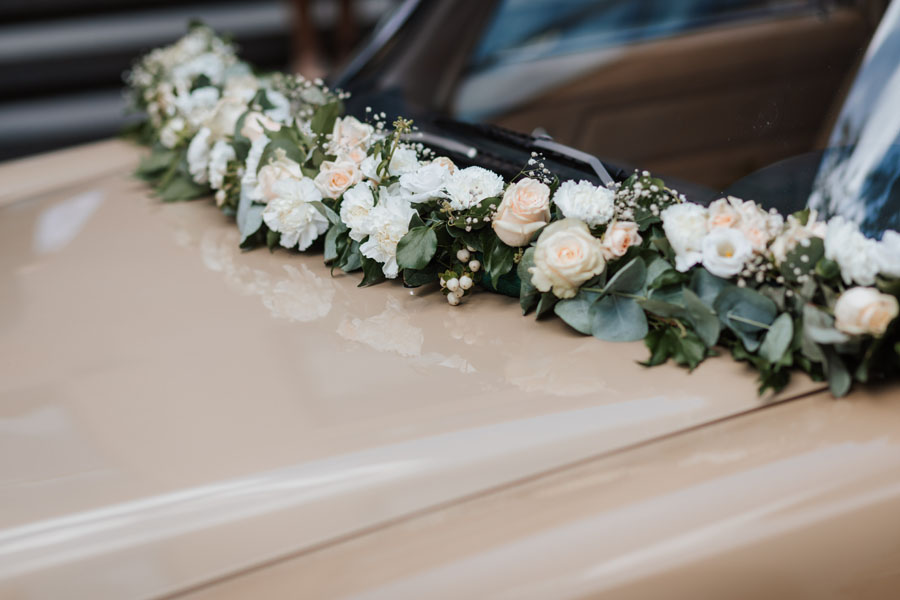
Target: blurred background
[
  {"x": 702, "y": 91},
  {"x": 61, "y": 61}
]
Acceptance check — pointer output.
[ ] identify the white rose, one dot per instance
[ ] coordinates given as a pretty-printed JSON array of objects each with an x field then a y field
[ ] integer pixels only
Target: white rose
[
  {"x": 356, "y": 205},
  {"x": 257, "y": 125},
  {"x": 887, "y": 254},
  {"x": 280, "y": 169},
  {"x": 586, "y": 202},
  {"x": 758, "y": 226},
  {"x": 349, "y": 132},
  {"x": 862, "y": 310},
  {"x": 198, "y": 156},
  {"x": 566, "y": 256},
  {"x": 725, "y": 251},
  {"x": 852, "y": 251},
  {"x": 467, "y": 187},
  {"x": 425, "y": 183},
  {"x": 336, "y": 177},
  {"x": 525, "y": 208},
  {"x": 219, "y": 157},
  {"x": 389, "y": 223},
  {"x": 618, "y": 238},
  {"x": 404, "y": 160},
  {"x": 291, "y": 213},
  {"x": 685, "y": 226}
]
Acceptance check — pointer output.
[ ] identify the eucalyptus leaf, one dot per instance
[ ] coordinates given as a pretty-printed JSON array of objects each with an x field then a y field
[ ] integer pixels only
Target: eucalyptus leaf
[
  {"x": 707, "y": 286},
  {"x": 704, "y": 321},
  {"x": 746, "y": 312},
  {"x": 778, "y": 338},
  {"x": 249, "y": 216},
  {"x": 839, "y": 378},
  {"x": 326, "y": 212},
  {"x": 819, "y": 327},
  {"x": 325, "y": 116},
  {"x": 576, "y": 312},
  {"x": 618, "y": 319},
  {"x": 629, "y": 279}
]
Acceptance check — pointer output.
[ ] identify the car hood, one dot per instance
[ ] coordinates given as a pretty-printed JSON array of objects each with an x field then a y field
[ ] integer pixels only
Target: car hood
[{"x": 174, "y": 410}]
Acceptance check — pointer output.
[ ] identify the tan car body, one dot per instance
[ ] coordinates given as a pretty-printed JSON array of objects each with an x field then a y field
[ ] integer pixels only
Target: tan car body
[{"x": 180, "y": 418}]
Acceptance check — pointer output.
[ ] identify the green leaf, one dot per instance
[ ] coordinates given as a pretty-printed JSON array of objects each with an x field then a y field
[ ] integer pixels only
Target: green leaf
[
  {"x": 618, "y": 319},
  {"x": 528, "y": 294},
  {"x": 350, "y": 258},
  {"x": 286, "y": 139},
  {"x": 181, "y": 187},
  {"x": 160, "y": 159},
  {"x": 778, "y": 338},
  {"x": 546, "y": 304},
  {"x": 629, "y": 279},
  {"x": 499, "y": 260},
  {"x": 416, "y": 249},
  {"x": 249, "y": 217},
  {"x": 662, "y": 308},
  {"x": 413, "y": 278},
  {"x": 372, "y": 272},
  {"x": 819, "y": 327},
  {"x": 326, "y": 212},
  {"x": 707, "y": 286},
  {"x": 576, "y": 312},
  {"x": 704, "y": 321},
  {"x": 325, "y": 116},
  {"x": 839, "y": 378},
  {"x": 331, "y": 252},
  {"x": 272, "y": 238},
  {"x": 746, "y": 312}
]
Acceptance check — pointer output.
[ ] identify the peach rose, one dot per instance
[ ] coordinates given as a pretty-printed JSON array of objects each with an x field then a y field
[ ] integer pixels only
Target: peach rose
[
  {"x": 566, "y": 256},
  {"x": 619, "y": 237},
  {"x": 350, "y": 132},
  {"x": 722, "y": 213},
  {"x": 277, "y": 170},
  {"x": 525, "y": 208},
  {"x": 862, "y": 310},
  {"x": 446, "y": 163},
  {"x": 337, "y": 177}
]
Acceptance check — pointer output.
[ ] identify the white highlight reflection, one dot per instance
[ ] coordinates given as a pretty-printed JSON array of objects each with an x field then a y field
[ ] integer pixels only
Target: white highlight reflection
[{"x": 61, "y": 223}]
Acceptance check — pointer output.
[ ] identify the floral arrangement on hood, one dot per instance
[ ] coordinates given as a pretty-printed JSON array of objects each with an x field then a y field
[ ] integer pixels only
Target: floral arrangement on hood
[{"x": 632, "y": 261}]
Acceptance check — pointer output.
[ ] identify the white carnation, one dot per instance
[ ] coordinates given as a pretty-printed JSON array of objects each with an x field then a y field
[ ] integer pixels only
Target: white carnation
[
  {"x": 586, "y": 202},
  {"x": 685, "y": 226},
  {"x": 291, "y": 213},
  {"x": 219, "y": 157},
  {"x": 198, "y": 156},
  {"x": 852, "y": 251},
  {"x": 356, "y": 208},
  {"x": 389, "y": 222},
  {"x": 467, "y": 187}
]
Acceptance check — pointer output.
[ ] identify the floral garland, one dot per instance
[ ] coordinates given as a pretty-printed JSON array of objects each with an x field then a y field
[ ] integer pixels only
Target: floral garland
[{"x": 622, "y": 263}]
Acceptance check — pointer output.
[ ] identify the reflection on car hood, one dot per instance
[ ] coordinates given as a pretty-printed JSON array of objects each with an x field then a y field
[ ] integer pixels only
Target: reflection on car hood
[{"x": 174, "y": 409}]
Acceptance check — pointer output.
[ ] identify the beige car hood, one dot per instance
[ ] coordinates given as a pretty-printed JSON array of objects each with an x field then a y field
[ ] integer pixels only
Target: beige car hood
[{"x": 174, "y": 410}]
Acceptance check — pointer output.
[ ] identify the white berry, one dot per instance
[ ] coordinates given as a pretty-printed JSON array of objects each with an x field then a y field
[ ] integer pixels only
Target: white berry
[
  {"x": 474, "y": 265},
  {"x": 453, "y": 284},
  {"x": 453, "y": 299},
  {"x": 465, "y": 282},
  {"x": 463, "y": 255}
]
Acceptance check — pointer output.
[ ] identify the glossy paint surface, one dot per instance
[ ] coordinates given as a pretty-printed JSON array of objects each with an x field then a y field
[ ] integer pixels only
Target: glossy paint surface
[
  {"x": 173, "y": 410},
  {"x": 797, "y": 501}
]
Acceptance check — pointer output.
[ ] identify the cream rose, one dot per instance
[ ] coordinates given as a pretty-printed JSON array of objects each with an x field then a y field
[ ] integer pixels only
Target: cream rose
[
  {"x": 337, "y": 177},
  {"x": 619, "y": 237},
  {"x": 257, "y": 125},
  {"x": 722, "y": 213},
  {"x": 862, "y": 310},
  {"x": 566, "y": 256},
  {"x": 279, "y": 169},
  {"x": 525, "y": 208},
  {"x": 350, "y": 132}
]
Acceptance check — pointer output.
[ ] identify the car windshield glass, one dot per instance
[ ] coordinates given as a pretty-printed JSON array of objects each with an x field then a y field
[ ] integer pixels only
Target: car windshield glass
[{"x": 707, "y": 92}]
